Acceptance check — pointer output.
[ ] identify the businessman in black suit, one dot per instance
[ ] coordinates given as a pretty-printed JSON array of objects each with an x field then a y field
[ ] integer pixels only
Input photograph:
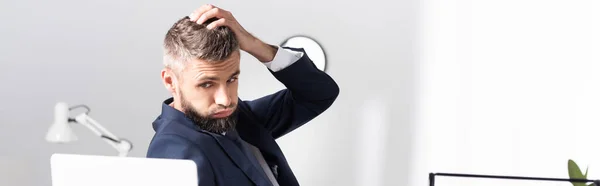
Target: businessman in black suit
[{"x": 232, "y": 141}]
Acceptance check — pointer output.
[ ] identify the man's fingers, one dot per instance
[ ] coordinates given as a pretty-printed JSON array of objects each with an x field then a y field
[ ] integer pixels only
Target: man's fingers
[
  {"x": 217, "y": 23},
  {"x": 215, "y": 12},
  {"x": 198, "y": 12}
]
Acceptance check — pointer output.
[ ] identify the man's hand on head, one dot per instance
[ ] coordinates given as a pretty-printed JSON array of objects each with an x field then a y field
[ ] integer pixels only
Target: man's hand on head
[{"x": 254, "y": 46}]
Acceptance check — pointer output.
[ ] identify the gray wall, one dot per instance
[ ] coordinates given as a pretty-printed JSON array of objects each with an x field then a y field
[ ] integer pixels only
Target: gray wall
[{"x": 107, "y": 55}]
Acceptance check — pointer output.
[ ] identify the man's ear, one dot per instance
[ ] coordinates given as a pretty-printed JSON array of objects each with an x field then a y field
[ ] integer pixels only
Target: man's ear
[{"x": 169, "y": 80}]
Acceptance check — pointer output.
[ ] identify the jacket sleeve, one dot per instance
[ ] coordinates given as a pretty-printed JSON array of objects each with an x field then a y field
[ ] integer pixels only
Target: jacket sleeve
[
  {"x": 172, "y": 146},
  {"x": 309, "y": 92}
]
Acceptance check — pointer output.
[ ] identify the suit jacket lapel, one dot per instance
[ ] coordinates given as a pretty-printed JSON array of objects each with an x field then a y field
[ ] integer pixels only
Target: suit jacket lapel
[
  {"x": 251, "y": 132},
  {"x": 241, "y": 160},
  {"x": 270, "y": 150}
]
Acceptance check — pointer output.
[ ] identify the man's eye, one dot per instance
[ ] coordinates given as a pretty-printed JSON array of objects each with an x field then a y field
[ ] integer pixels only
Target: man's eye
[
  {"x": 232, "y": 80},
  {"x": 205, "y": 85}
]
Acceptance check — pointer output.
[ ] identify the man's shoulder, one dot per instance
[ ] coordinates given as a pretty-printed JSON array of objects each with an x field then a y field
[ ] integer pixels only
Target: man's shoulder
[
  {"x": 179, "y": 133},
  {"x": 174, "y": 126},
  {"x": 173, "y": 133},
  {"x": 178, "y": 144}
]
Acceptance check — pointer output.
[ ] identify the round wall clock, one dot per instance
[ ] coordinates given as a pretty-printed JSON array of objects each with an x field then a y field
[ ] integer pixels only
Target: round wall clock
[{"x": 312, "y": 48}]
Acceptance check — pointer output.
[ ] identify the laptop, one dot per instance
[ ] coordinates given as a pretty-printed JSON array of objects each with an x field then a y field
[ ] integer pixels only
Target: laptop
[{"x": 95, "y": 170}]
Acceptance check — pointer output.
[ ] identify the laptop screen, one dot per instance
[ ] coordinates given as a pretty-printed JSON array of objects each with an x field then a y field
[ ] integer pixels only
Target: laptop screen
[{"x": 93, "y": 170}]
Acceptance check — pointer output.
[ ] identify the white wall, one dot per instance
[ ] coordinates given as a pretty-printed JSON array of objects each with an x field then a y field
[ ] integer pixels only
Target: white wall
[
  {"x": 507, "y": 88},
  {"x": 489, "y": 87},
  {"x": 107, "y": 55}
]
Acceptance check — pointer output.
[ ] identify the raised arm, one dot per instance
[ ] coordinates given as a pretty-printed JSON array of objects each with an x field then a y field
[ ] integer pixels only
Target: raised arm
[{"x": 309, "y": 92}]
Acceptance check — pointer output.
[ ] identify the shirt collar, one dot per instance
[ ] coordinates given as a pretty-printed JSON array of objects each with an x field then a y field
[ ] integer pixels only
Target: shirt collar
[{"x": 231, "y": 134}]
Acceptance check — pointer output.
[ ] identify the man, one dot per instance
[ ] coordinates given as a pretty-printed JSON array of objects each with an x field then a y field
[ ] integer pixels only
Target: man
[{"x": 232, "y": 141}]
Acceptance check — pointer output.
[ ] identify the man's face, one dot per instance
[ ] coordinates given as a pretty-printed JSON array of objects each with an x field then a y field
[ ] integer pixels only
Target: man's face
[{"x": 207, "y": 93}]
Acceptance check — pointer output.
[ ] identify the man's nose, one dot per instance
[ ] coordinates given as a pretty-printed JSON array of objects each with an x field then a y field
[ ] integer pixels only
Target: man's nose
[{"x": 222, "y": 97}]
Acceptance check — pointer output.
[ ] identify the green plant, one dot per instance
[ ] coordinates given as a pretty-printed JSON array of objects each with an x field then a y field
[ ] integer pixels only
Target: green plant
[{"x": 575, "y": 173}]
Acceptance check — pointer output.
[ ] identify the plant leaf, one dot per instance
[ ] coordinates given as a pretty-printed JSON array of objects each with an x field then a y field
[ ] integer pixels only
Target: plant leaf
[
  {"x": 575, "y": 173},
  {"x": 586, "y": 170}
]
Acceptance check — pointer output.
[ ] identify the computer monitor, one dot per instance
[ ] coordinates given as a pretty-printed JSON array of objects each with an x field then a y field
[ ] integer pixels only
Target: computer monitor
[
  {"x": 95, "y": 170},
  {"x": 459, "y": 179}
]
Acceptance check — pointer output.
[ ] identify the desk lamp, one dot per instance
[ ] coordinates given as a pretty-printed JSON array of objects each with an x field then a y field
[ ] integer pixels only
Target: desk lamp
[{"x": 60, "y": 131}]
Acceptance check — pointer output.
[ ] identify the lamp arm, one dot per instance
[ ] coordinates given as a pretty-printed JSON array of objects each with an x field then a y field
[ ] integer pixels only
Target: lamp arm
[{"x": 121, "y": 145}]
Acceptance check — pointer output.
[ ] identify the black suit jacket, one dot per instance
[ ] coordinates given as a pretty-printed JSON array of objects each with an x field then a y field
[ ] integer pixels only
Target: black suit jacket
[{"x": 309, "y": 92}]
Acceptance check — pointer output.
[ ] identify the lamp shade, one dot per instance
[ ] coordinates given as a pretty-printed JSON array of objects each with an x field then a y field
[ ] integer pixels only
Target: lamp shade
[{"x": 60, "y": 131}]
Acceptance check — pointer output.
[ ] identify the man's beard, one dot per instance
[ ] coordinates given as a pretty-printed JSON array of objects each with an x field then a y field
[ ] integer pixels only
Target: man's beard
[{"x": 215, "y": 125}]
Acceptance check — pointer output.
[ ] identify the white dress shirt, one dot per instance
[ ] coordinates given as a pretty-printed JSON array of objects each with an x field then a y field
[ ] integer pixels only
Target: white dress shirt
[{"x": 283, "y": 58}]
